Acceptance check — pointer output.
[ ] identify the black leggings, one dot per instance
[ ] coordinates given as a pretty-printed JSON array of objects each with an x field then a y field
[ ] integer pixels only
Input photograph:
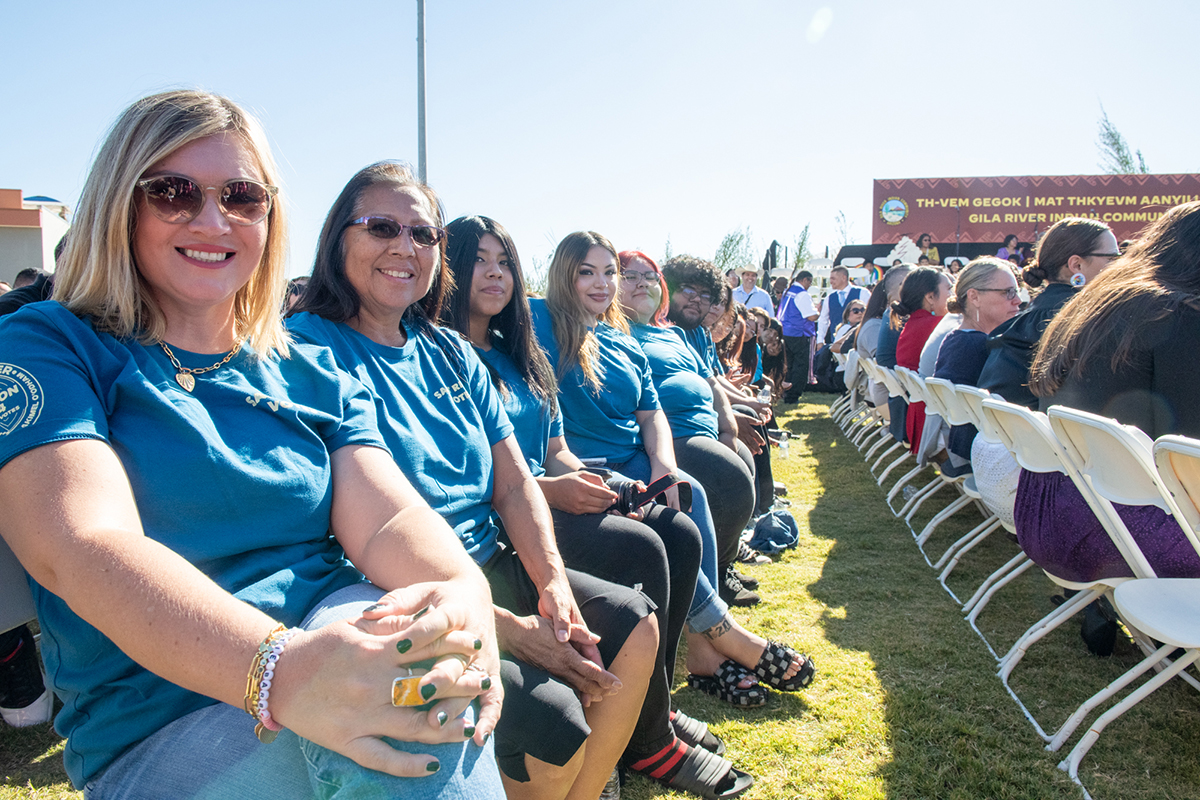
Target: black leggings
[
  {"x": 662, "y": 558},
  {"x": 542, "y": 715},
  {"x": 764, "y": 478},
  {"x": 728, "y": 480}
]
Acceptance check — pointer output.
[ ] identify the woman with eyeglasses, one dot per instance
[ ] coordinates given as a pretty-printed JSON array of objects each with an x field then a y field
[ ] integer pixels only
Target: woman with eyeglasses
[
  {"x": 1124, "y": 347},
  {"x": 661, "y": 552},
  {"x": 701, "y": 419},
  {"x": 985, "y": 294},
  {"x": 184, "y": 486},
  {"x": 378, "y": 284},
  {"x": 1073, "y": 252},
  {"x": 611, "y": 416}
]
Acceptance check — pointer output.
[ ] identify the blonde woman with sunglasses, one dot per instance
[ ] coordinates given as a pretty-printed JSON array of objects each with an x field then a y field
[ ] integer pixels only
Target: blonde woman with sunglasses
[{"x": 184, "y": 486}]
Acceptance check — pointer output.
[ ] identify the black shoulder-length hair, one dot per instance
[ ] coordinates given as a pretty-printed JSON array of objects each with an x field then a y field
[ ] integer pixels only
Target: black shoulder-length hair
[
  {"x": 511, "y": 330},
  {"x": 329, "y": 293}
]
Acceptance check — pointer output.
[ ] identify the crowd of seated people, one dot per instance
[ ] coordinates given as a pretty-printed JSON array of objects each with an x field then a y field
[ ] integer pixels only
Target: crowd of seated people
[
  {"x": 460, "y": 533},
  {"x": 456, "y": 533}
]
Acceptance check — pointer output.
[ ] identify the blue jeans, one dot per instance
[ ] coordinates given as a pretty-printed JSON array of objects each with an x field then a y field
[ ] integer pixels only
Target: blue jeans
[
  {"x": 213, "y": 754},
  {"x": 707, "y": 607}
]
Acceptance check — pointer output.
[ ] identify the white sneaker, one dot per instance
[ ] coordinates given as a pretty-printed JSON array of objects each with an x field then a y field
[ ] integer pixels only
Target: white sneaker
[{"x": 36, "y": 713}]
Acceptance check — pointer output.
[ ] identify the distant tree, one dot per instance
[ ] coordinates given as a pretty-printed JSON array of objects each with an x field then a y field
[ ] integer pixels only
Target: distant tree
[
  {"x": 1115, "y": 158},
  {"x": 667, "y": 251},
  {"x": 735, "y": 250},
  {"x": 844, "y": 231},
  {"x": 803, "y": 254}
]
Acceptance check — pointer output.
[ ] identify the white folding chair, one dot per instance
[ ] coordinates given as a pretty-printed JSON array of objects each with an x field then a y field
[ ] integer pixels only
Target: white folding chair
[
  {"x": 954, "y": 411},
  {"x": 1117, "y": 462},
  {"x": 1027, "y": 434},
  {"x": 915, "y": 385},
  {"x": 894, "y": 389},
  {"x": 971, "y": 399},
  {"x": 871, "y": 370}
]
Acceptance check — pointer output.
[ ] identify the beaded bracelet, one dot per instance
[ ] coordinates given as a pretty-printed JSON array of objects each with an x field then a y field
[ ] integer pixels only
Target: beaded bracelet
[{"x": 258, "y": 682}]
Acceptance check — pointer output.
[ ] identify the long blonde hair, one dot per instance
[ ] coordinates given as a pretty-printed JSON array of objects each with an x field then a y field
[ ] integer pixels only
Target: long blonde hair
[
  {"x": 572, "y": 322},
  {"x": 97, "y": 275}
]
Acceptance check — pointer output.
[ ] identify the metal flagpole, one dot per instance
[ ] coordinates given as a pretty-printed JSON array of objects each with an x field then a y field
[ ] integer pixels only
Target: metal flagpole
[{"x": 421, "y": 90}]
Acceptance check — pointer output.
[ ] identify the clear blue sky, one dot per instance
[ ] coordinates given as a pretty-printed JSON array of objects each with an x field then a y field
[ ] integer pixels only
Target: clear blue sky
[{"x": 646, "y": 121}]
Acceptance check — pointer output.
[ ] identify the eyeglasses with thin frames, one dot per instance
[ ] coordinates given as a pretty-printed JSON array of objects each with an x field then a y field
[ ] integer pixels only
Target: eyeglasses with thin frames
[
  {"x": 633, "y": 276},
  {"x": 691, "y": 292},
  {"x": 1010, "y": 293}
]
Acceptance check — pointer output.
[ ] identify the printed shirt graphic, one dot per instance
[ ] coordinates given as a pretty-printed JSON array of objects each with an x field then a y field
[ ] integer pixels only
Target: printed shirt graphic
[{"x": 438, "y": 412}]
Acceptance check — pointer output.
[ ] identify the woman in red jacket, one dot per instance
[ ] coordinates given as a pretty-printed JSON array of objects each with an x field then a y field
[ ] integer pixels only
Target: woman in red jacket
[{"x": 923, "y": 297}]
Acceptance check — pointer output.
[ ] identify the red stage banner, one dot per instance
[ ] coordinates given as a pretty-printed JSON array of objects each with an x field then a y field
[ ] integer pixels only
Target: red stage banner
[{"x": 991, "y": 209}]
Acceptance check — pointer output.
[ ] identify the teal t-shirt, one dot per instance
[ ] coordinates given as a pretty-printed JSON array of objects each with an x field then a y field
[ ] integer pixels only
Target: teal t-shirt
[
  {"x": 438, "y": 412},
  {"x": 701, "y": 341},
  {"x": 234, "y": 476},
  {"x": 600, "y": 423},
  {"x": 681, "y": 379},
  {"x": 534, "y": 422}
]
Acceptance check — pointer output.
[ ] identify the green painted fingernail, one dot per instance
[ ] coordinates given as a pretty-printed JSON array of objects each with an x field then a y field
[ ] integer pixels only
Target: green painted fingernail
[
  {"x": 433, "y": 766},
  {"x": 486, "y": 683},
  {"x": 468, "y": 732},
  {"x": 428, "y": 691},
  {"x": 371, "y": 608},
  {"x": 487, "y": 736},
  {"x": 404, "y": 645},
  {"x": 478, "y": 644},
  {"x": 442, "y": 717},
  {"x": 422, "y": 612}
]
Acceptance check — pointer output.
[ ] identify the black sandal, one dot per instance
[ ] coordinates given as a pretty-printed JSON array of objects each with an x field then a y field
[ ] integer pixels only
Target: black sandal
[
  {"x": 774, "y": 663},
  {"x": 700, "y": 772},
  {"x": 696, "y": 733},
  {"x": 724, "y": 685}
]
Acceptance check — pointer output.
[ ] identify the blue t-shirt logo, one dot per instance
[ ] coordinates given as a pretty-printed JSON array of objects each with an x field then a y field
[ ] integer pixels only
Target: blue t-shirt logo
[
  {"x": 20, "y": 399},
  {"x": 457, "y": 398},
  {"x": 275, "y": 405}
]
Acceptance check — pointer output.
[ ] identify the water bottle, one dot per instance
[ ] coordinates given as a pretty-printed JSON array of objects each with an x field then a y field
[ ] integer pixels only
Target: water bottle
[
  {"x": 909, "y": 493},
  {"x": 764, "y": 394},
  {"x": 783, "y": 444}
]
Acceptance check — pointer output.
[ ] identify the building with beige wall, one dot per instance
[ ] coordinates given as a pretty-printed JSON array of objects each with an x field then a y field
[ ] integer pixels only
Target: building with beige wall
[{"x": 29, "y": 230}]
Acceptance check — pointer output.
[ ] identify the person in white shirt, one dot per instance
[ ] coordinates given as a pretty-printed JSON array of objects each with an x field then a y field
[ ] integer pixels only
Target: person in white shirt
[
  {"x": 841, "y": 293},
  {"x": 752, "y": 296}
]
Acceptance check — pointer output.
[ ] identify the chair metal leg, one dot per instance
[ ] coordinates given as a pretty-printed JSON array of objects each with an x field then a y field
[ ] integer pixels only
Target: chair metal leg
[
  {"x": 908, "y": 476},
  {"x": 995, "y": 582},
  {"x": 884, "y": 438},
  {"x": 917, "y": 500},
  {"x": 940, "y": 517},
  {"x": 1073, "y": 722},
  {"x": 991, "y": 526},
  {"x": 968, "y": 540},
  {"x": 1044, "y": 626},
  {"x": 903, "y": 457}
]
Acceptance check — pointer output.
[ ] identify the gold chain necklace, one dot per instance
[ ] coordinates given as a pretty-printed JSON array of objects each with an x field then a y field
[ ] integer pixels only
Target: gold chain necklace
[{"x": 183, "y": 375}]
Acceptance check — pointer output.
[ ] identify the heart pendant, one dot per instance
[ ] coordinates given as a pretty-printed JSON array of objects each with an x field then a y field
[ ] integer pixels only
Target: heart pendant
[{"x": 185, "y": 380}]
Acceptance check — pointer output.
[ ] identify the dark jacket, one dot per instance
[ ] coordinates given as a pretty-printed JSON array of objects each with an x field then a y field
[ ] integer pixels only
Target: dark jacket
[{"x": 1012, "y": 345}]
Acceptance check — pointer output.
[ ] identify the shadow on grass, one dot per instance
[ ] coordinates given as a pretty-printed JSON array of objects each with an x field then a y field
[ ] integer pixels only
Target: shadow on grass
[{"x": 951, "y": 728}]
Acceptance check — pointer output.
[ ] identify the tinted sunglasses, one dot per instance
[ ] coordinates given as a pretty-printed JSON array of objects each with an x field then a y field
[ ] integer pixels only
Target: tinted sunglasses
[
  {"x": 386, "y": 228},
  {"x": 176, "y": 199}
]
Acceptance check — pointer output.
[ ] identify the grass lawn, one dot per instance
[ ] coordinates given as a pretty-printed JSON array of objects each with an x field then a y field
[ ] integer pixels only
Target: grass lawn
[{"x": 906, "y": 703}]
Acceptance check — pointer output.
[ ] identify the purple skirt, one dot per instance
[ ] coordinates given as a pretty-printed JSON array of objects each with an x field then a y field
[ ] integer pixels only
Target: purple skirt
[{"x": 1060, "y": 533}]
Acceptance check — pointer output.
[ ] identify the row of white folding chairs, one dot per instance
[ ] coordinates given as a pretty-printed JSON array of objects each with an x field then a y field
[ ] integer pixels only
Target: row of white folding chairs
[{"x": 1110, "y": 463}]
